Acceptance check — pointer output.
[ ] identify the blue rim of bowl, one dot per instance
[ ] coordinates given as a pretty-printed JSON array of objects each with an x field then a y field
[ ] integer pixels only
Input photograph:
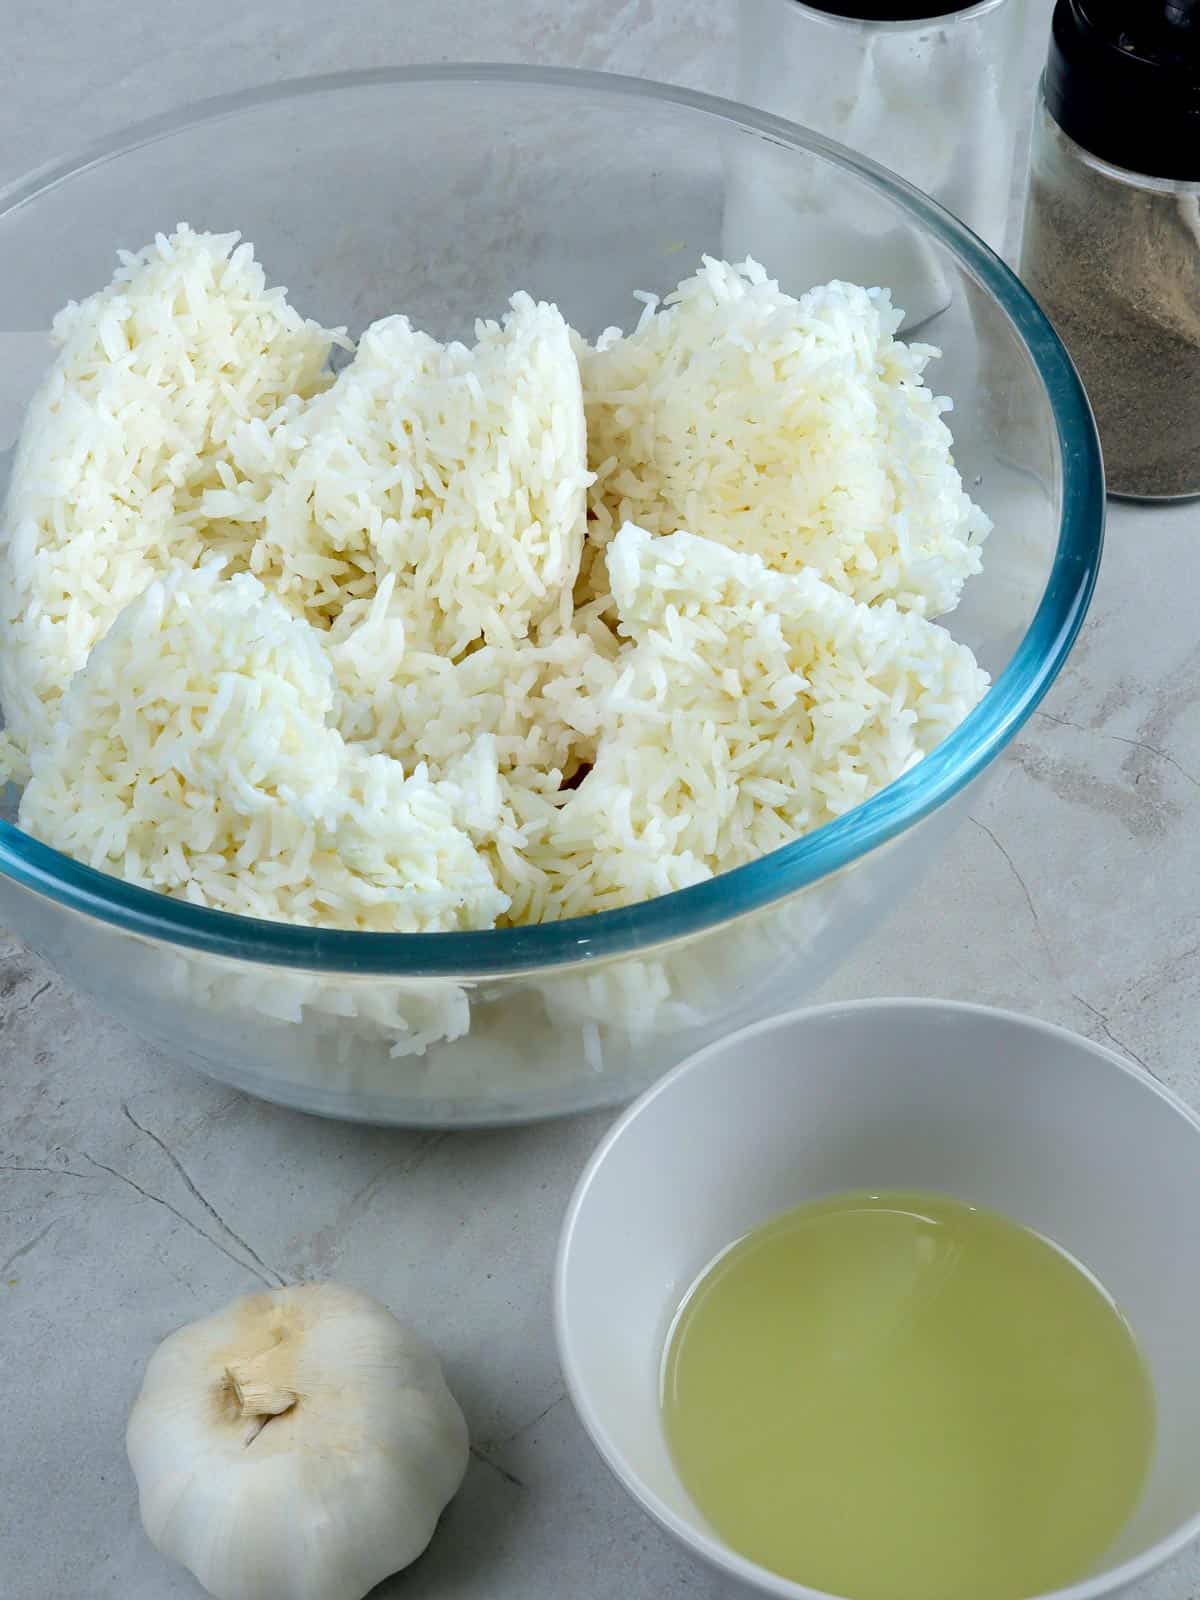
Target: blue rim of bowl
[{"x": 687, "y": 912}]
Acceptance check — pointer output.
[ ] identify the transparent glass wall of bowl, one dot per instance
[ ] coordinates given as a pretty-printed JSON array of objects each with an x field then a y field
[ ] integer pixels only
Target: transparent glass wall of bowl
[
  {"x": 939, "y": 101},
  {"x": 440, "y": 197},
  {"x": 474, "y": 1050}
]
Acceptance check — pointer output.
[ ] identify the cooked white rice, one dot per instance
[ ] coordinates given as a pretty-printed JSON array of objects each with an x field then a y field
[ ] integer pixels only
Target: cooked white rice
[
  {"x": 128, "y": 432},
  {"x": 321, "y": 650},
  {"x": 752, "y": 706},
  {"x": 798, "y": 429},
  {"x": 192, "y": 755},
  {"x": 462, "y": 472}
]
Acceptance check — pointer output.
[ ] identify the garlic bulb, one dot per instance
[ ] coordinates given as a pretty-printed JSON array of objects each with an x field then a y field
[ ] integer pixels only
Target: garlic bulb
[{"x": 299, "y": 1445}]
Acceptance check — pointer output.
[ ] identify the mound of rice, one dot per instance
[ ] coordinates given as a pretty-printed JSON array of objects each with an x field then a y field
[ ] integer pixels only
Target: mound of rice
[
  {"x": 375, "y": 651},
  {"x": 130, "y": 429},
  {"x": 535, "y": 705},
  {"x": 796, "y": 429},
  {"x": 753, "y": 706},
  {"x": 460, "y": 472},
  {"x": 192, "y": 755}
]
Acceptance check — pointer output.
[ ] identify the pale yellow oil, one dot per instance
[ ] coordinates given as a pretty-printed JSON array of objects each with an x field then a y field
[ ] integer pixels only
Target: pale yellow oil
[{"x": 901, "y": 1397}]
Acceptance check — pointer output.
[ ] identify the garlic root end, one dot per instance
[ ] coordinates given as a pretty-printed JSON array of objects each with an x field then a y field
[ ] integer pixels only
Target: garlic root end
[{"x": 259, "y": 1385}]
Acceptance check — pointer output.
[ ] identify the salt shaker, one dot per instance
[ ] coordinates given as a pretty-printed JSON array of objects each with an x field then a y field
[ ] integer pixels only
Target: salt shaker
[
  {"x": 928, "y": 88},
  {"x": 1112, "y": 229}
]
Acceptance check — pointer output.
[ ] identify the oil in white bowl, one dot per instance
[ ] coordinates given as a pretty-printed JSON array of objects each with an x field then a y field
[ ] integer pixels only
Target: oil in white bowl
[{"x": 902, "y": 1397}]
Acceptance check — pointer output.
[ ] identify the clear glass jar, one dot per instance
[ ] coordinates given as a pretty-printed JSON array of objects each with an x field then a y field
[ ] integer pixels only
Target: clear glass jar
[
  {"x": 937, "y": 99},
  {"x": 1114, "y": 258}
]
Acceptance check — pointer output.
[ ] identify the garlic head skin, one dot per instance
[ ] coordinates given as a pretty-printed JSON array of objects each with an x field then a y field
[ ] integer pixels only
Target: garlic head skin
[{"x": 298, "y": 1445}]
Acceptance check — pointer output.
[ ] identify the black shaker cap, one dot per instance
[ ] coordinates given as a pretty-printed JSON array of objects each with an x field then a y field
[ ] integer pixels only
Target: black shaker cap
[
  {"x": 1123, "y": 80},
  {"x": 891, "y": 10}
]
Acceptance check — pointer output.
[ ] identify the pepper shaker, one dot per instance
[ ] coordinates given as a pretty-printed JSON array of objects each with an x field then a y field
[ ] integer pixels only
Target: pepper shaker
[
  {"x": 927, "y": 88},
  {"x": 1112, "y": 229}
]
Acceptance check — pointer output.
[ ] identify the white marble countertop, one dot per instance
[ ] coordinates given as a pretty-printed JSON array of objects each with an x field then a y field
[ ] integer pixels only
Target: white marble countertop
[{"x": 135, "y": 1196}]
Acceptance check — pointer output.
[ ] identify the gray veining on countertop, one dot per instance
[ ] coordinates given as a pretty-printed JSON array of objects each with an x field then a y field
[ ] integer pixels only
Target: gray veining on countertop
[{"x": 135, "y": 1196}]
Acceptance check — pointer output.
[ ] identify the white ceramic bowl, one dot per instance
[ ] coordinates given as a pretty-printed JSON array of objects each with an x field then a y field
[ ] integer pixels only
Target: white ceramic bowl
[{"x": 998, "y": 1109}]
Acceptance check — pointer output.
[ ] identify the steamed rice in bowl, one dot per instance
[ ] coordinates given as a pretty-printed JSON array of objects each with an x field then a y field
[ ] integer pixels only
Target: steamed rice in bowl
[{"x": 470, "y": 636}]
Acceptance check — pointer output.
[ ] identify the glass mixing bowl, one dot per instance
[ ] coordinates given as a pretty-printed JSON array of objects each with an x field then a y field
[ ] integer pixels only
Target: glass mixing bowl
[{"x": 438, "y": 191}]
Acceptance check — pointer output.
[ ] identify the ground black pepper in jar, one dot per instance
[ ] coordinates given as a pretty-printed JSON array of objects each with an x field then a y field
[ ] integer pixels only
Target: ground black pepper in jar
[{"x": 1111, "y": 246}]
